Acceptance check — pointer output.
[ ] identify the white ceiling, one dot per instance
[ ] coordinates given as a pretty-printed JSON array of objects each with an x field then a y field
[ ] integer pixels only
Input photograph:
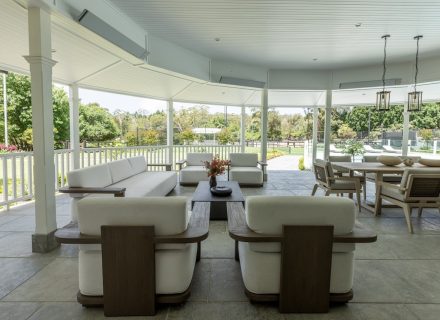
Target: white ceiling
[{"x": 290, "y": 33}]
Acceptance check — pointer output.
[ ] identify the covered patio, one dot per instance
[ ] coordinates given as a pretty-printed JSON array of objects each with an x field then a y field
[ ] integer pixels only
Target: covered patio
[
  {"x": 395, "y": 278},
  {"x": 196, "y": 62}
]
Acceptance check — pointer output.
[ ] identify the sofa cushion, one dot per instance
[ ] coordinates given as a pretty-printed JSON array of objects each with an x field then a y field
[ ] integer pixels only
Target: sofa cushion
[
  {"x": 149, "y": 184},
  {"x": 246, "y": 175},
  {"x": 243, "y": 159},
  {"x": 261, "y": 271},
  {"x": 268, "y": 214},
  {"x": 120, "y": 169},
  {"x": 138, "y": 164},
  {"x": 167, "y": 215},
  {"x": 197, "y": 159},
  {"x": 97, "y": 176},
  {"x": 174, "y": 270},
  {"x": 193, "y": 174}
]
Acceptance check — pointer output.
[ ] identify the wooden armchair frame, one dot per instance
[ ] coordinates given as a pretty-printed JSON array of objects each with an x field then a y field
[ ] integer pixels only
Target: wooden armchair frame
[
  {"x": 300, "y": 266},
  {"x": 421, "y": 191},
  {"x": 324, "y": 180},
  {"x": 129, "y": 275}
]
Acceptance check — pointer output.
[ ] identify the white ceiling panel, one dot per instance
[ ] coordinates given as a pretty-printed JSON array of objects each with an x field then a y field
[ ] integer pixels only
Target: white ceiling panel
[
  {"x": 125, "y": 78},
  {"x": 290, "y": 34},
  {"x": 278, "y": 98},
  {"x": 367, "y": 96},
  {"x": 217, "y": 94}
]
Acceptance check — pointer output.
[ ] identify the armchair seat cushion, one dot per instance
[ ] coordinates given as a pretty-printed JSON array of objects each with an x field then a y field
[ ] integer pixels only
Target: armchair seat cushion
[
  {"x": 149, "y": 184},
  {"x": 258, "y": 279},
  {"x": 246, "y": 175},
  {"x": 193, "y": 174},
  {"x": 392, "y": 192},
  {"x": 174, "y": 270},
  {"x": 343, "y": 185},
  {"x": 388, "y": 177}
]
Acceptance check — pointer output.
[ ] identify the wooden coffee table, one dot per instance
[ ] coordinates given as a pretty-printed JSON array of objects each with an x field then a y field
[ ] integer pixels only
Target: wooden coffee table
[{"x": 218, "y": 204}]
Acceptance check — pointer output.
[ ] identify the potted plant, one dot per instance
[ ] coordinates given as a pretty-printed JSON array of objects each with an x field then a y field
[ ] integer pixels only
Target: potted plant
[{"x": 353, "y": 148}]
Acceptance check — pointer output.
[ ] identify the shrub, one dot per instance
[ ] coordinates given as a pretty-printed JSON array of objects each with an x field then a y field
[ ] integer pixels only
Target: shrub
[
  {"x": 7, "y": 149},
  {"x": 301, "y": 165}
]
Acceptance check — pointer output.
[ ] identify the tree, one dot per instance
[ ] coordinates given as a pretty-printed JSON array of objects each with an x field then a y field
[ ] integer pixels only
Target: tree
[
  {"x": 273, "y": 125},
  {"x": 96, "y": 124},
  {"x": 225, "y": 136},
  {"x": 20, "y": 113},
  {"x": 345, "y": 132},
  {"x": 427, "y": 118}
]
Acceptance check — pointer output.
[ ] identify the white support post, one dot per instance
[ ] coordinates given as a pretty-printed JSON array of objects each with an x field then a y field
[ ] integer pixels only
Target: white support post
[
  {"x": 74, "y": 125},
  {"x": 405, "y": 133},
  {"x": 327, "y": 125},
  {"x": 170, "y": 130},
  {"x": 41, "y": 63},
  {"x": 243, "y": 129},
  {"x": 315, "y": 133},
  {"x": 5, "y": 109},
  {"x": 263, "y": 129}
]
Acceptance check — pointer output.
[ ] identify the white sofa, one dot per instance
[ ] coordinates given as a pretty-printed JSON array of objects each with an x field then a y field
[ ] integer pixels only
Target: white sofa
[
  {"x": 260, "y": 230},
  {"x": 192, "y": 169},
  {"x": 246, "y": 169},
  {"x": 130, "y": 174}
]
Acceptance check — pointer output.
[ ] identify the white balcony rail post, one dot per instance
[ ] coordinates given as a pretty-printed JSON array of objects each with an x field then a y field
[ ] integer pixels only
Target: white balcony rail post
[
  {"x": 263, "y": 129},
  {"x": 243, "y": 129},
  {"x": 405, "y": 132},
  {"x": 5, "y": 109},
  {"x": 74, "y": 125},
  {"x": 170, "y": 131},
  {"x": 41, "y": 63},
  {"x": 315, "y": 133},
  {"x": 327, "y": 124}
]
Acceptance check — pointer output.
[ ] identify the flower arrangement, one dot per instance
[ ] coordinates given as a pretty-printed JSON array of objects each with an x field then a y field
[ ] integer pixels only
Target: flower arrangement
[{"x": 216, "y": 166}]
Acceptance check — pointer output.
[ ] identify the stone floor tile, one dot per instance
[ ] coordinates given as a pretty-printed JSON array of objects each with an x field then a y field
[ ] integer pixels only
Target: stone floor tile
[
  {"x": 15, "y": 271},
  {"x": 226, "y": 283},
  {"x": 17, "y": 310},
  {"x": 58, "y": 281}
]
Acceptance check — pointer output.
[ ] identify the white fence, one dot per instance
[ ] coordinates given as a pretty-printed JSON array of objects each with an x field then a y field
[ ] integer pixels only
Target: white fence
[{"x": 16, "y": 172}]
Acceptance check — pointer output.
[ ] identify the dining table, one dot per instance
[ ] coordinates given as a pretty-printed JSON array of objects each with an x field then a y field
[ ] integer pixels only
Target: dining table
[{"x": 379, "y": 170}]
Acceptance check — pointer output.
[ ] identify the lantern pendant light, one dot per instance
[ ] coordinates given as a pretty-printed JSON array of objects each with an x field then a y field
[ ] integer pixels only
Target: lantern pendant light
[
  {"x": 415, "y": 97},
  {"x": 383, "y": 97}
]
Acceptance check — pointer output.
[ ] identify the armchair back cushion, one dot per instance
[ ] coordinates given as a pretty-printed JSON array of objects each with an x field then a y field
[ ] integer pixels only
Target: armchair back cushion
[
  {"x": 120, "y": 170},
  {"x": 268, "y": 214},
  {"x": 370, "y": 159},
  {"x": 198, "y": 159},
  {"x": 408, "y": 172},
  {"x": 138, "y": 164},
  {"x": 339, "y": 158},
  {"x": 97, "y": 176},
  {"x": 243, "y": 159},
  {"x": 167, "y": 215}
]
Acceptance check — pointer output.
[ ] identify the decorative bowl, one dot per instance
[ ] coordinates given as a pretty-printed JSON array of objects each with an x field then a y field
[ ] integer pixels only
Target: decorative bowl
[
  {"x": 389, "y": 160},
  {"x": 221, "y": 191},
  {"x": 408, "y": 162},
  {"x": 430, "y": 162}
]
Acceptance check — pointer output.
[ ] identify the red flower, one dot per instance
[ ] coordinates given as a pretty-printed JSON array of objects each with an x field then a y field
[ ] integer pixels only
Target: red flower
[{"x": 216, "y": 166}]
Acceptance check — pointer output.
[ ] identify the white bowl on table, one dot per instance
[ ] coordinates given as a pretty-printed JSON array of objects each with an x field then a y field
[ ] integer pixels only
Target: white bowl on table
[{"x": 389, "y": 160}]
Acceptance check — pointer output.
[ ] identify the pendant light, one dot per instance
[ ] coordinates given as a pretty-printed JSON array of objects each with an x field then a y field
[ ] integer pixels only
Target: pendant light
[
  {"x": 383, "y": 97},
  {"x": 415, "y": 97}
]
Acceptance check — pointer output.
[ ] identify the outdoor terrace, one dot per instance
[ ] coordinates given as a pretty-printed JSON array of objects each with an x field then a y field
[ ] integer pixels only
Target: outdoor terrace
[{"x": 395, "y": 278}]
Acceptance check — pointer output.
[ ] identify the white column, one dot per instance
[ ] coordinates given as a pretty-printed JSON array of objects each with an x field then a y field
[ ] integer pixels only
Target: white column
[
  {"x": 42, "y": 128},
  {"x": 327, "y": 125},
  {"x": 315, "y": 133},
  {"x": 263, "y": 129},
  {"x": 243, "y": 129},
  {"x": 5, "y": 108},
  {"x": 170, "y": 130},
  {"x": 74, "y": 125},
  {"x": 405, "y": 133}
]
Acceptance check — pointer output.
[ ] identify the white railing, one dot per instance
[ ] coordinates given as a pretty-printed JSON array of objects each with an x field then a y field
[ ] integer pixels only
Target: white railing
[{"x": 16, "y": 172}]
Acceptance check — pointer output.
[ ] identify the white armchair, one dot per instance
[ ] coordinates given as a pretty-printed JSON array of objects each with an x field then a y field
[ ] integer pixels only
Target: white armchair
[
  {"x": 135, "y": 252},
  {"x": 297, "y": 250},
  {"x": 246, "y": 169},
  {"x": 192, "y": 170}
]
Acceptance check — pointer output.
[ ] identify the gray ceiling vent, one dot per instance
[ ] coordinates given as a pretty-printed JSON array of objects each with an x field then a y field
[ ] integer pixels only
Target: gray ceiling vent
[
  {"x": 242, "y": 82},
  {"x": 369, "y": 84},
  {"x": 100, "y": 27}
]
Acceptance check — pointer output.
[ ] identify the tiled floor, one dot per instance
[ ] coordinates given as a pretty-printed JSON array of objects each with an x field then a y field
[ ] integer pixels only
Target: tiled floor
[{"x": 398, "y": 277}]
